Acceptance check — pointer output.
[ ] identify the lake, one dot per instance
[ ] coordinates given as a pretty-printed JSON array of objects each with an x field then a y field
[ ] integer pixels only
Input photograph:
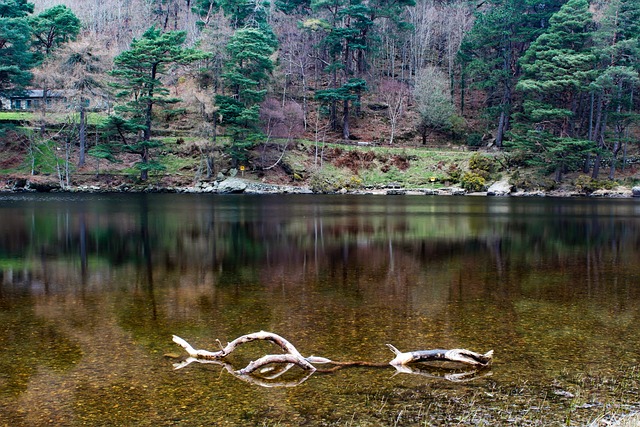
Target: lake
[{"x": 92, "y": 288}]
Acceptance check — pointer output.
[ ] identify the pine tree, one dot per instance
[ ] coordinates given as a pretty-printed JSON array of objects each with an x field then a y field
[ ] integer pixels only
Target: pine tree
[
  {"x": 138, "y": 71},
  {"x": 245, "y": 76},
  {"x": 617, "y": 41},
  {"x": 558, "y": 69},
  {"x": 52, "y": 28},
  {"x": 491, "y": 50},
  {"x": 15, "y": 57}
]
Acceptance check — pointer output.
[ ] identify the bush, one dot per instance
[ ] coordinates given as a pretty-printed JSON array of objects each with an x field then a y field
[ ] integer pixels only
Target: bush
[
  {"x": 587, "y": 184},
  {"x": 472, "y": 181},
  {"x": 327, "y": 180},
  {"x": 474, "y": 139},
  {"x": 454, "y": 173},
  {"x": 479, "y": 163},
  {"x": 531, "y": 181}
]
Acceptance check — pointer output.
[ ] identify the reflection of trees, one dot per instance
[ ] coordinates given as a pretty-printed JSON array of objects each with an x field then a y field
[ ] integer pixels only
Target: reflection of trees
[
  {"x": 29, "y": 343},
  {"x": 236, "y": 239}
]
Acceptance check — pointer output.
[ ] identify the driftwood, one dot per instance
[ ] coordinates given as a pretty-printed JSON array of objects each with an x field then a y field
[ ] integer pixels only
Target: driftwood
[
  {"x": 292, "y": 354},
  {"x": 459, "y": 355},
  {"x": 268, "y": 377}
]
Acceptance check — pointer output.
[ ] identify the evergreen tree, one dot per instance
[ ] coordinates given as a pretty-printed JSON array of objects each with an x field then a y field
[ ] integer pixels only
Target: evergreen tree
[
  {"x": 558, "y": 68},
  {"x": 246, "y": 74},
  {"x": 617, "y": 41},
  {"x": 52, "y": 28},
  {"x": 490, "y": 52},
  {"x": 347, "y": 25},
  {"x": 15, "y": 57},
  {"x": 138, "y": 71}
]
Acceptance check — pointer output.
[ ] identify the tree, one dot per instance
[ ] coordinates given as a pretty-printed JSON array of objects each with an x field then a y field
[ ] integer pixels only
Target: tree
[
  {"x": 15, "y": 57},
  {"x": 138, "y": 71},
  {"x": 395, "y": 94},
  {"x": 618, "y": 46},
  {"x": 245, "y": 77},
  {"x": 433, "y": 101},
  {"x": 491, "y": 50},
  {"x": 241, "y": 12},
  {"x": 558, "y": 68},
  {"x": 284, "y": 122},
  {"x": 347, "y": 25},
  {"x": 52, "y": 28},
  {"x": 83, "y": 70}
]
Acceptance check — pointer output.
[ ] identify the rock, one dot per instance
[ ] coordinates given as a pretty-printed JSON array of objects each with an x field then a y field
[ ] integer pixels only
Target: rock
[
  {"x": 619, "y": 192},
  {"x": 44, "y": 187},
  {"x": 232, "y": 185},
  {"x": 396, "y": 192},
  {"x": 500, "y": 188},
  {"x": 294, "y": 169},
  {"x": 533, "y": 193},
  {"x": 220, "y": 177},
  {"x": 635, "y": 191},
  {"x": 20, "y": 184}
]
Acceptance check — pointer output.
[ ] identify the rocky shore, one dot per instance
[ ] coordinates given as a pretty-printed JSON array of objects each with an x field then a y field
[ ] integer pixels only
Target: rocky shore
[{"x": 235, "y": 185}]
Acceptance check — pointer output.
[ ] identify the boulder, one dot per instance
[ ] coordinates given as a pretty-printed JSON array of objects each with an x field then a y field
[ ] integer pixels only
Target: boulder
[
  {"x": 232, "y": 185},
  {"x": 500, "y": 188},
  {"x": 635, "y": 191}
]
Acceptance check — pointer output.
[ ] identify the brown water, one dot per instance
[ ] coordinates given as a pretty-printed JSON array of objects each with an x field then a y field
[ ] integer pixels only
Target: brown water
[{"x": 92, "y": 287}]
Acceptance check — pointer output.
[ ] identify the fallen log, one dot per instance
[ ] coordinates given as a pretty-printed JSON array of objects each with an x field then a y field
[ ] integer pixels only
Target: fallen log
[{"x": 459, "y": 355}]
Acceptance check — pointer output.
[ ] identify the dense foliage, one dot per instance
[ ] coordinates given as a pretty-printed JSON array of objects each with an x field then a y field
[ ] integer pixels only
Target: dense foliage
[{"x": 553, "y": 82}]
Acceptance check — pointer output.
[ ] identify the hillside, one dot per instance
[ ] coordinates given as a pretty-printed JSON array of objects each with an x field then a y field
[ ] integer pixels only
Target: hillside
[{"x": 345, "y": 94}]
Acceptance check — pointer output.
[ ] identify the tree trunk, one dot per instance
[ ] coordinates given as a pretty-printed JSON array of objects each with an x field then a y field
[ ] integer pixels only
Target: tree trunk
[
  {"x": 345, "y": 120},
  {"x": 82, "y": 133},
  {"x": 598, "y": 135}
]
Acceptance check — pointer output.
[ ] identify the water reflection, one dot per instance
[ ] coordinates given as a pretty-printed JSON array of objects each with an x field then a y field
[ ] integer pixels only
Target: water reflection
[{"x": 92, "y": 287}]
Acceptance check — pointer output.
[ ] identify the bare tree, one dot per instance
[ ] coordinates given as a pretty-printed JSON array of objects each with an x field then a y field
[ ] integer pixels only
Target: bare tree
[
  {"x": 284, "y": 122},
  {"x": 395, "y": 94},
  {"x": 433, "y": 101}
]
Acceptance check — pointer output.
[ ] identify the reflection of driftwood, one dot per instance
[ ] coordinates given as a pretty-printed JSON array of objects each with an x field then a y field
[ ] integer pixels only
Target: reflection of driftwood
[
  {"x": 459, "y": 355},
  {"x": 267, "y": 381},
  {"x": 267, "y": 377},
  {"x": 455, "y": 376}
]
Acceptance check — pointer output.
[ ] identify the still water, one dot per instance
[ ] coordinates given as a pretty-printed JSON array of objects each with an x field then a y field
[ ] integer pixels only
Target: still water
[{"x": 92, "y": 287}]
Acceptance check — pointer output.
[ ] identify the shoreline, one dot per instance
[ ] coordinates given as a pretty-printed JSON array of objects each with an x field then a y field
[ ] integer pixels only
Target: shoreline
[{"x": 236, "y": 185}]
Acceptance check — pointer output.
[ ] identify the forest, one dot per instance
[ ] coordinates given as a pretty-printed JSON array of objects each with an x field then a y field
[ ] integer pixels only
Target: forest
[{"x": 543, "y": 86}]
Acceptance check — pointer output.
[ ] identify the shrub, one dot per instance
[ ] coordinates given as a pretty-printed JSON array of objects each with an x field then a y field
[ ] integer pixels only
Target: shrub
[
  {"x": 329, "y": 180},
  {"x": 472, "y": 181},
  {"x": 530, "y": 181},
  {"x": 454, "y": 173},
  {"x": 587, "y": 184},
  {"x": 480, "y": 163}
]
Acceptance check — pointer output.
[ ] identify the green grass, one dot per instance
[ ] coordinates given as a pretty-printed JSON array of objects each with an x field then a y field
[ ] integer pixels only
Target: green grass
[
  {"x": 15, "y": 115},
  {"x": 93, "y": 119},
  {"x": 423, "y": 165}
]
